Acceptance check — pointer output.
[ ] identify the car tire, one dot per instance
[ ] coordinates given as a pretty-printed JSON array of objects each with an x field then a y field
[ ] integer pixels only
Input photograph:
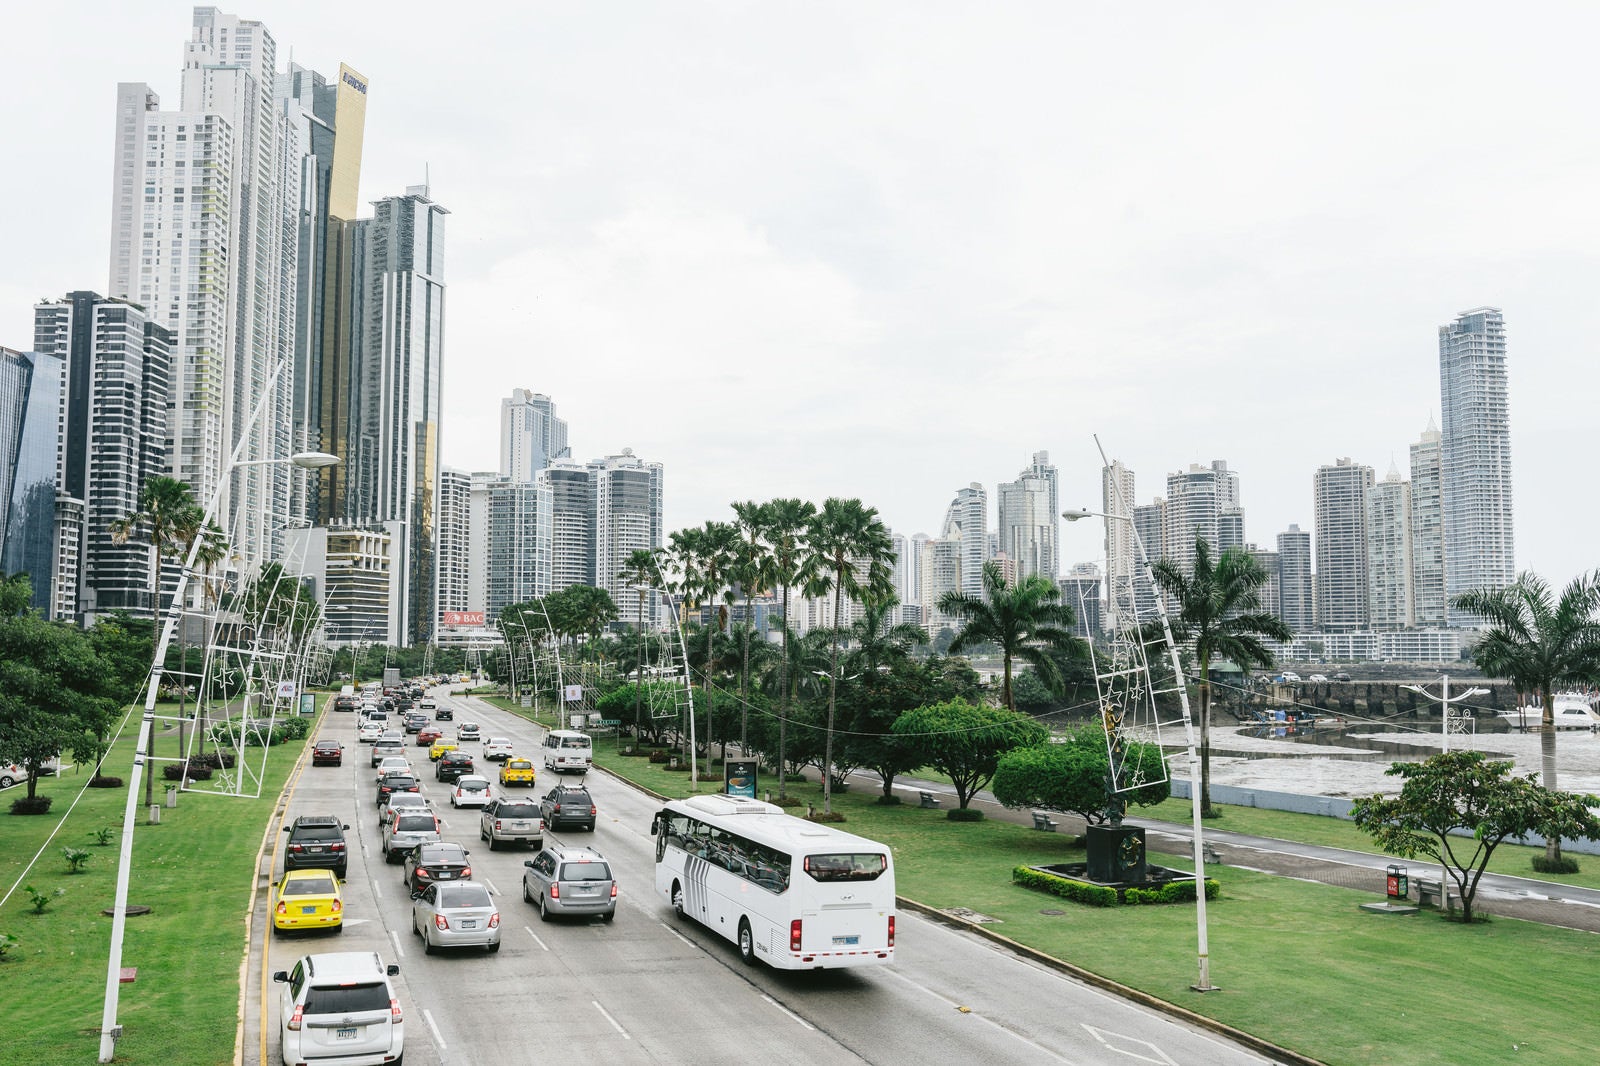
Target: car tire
[
  {"x": 494, "y": 845},
  {"x": 677, "y": 899},
  {"x": 747, "y": 943},
  {"x": 544, "y": 911},
  {"x": 493, "y": 948},
  {"x": 414, "y": 930},
  {"x": 609, "y": 916},
  {"x": 427, "y": 945},
  {"x": 481, "y": 834},
  {"x": 538, "y": 845},
  {"x": 527, "y": 897},
  {"x": 340, "y": 872}
]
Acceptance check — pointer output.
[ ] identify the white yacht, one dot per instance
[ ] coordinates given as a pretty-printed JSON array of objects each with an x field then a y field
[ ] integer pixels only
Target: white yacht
[{"x": 1571, "y": 710}]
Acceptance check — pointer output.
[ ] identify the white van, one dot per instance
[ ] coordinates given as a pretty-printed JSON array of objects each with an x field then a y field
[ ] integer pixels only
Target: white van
[{"x": 566, "y": 749}]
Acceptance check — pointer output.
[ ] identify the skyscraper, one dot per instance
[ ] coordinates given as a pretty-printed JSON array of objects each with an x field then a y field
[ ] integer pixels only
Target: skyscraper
[
  {"x": 628, "y": 516},
  {"x": 1427, "y": 531},
  {"x": 1339, "y": 493},
  {"x": 455, "y": 532},
  {"x": 1296, "y": 589},
  {"x": 966, "y": 521},
  {"x": 1080, "y": 590},
  {"x": 31, "y": 388},
  {"x": 1475, "y": 456},
  {"x": 1030, "y": 519},
  {"x": 531, "y": 436},
  {"x": 1150, "y": 520},
  {"x": 572, "y": 523},
  {"x": 1197, "y": 499},
  {"x": 1389, "y": 565},
  {"x": 1122, "y": 556}
]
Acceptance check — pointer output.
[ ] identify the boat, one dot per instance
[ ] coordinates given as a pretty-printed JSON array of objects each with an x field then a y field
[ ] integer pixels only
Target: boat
[{"x": 1571, "y": 710}]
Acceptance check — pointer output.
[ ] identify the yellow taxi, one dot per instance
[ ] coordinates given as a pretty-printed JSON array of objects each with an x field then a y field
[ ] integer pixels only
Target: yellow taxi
[
  {"x": 440, "y": 746},
  {"x": 309, "y": 899},
  {"x": 517, "y": 771}
]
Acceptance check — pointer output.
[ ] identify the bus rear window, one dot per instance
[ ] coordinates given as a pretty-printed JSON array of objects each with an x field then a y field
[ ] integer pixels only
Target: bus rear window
[
  {"x": 575, "y": 742},
  {"x": 848, "y": 866}
]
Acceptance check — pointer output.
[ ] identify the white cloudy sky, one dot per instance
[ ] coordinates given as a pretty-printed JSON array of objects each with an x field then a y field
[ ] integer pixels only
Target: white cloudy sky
[{"x": 887, "y": 249}]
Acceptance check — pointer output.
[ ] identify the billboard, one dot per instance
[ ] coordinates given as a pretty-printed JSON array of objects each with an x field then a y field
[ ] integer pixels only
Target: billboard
[{"x": 461, "y": 618}]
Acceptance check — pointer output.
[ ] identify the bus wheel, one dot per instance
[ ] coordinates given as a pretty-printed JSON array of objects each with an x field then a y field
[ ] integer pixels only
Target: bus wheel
[
  {"x": 677, "y": 898},
  {"x": 747, "y": 943}
]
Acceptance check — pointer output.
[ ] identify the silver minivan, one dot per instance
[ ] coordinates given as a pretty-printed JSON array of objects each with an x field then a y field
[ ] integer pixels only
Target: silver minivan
[
  {"x": 409, "y": 829},
  {"x": 570, "y": 881}
]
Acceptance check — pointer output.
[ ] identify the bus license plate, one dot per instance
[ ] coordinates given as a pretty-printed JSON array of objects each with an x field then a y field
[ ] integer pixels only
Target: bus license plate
[
  {"x": 344, "y": 1034},
  {"x": 846, "y": 941}
]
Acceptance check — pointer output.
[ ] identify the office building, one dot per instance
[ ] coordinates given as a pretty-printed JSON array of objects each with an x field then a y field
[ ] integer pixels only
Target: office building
[
  {"x": 31, "y": 391},
  {"x": 516, "y": 542},
  {"x": 1149, "y": 523},
  {"x": 628, "y": 516},
  {"x": 1196, "y": 501},
  {"x": 1296, "y": 587},
  {"x": 455, "y": 535},
  {"x": 1269, "y": 590},
  {"x": 1427, "y": 531},
  {"x": 1123, "y": 571},
  {"x": 1475, "y": 456},
  {"x": 966, "y": 523},
  {"x": 1080, "y": 590},
  {"x": 939, "y": 564},
  {"x": 1389, "y": 563},
  {"x": 572, "y": 524},
  {"x": 1029, "y": 519},
  {"x": 531, "y": 436},
  {"x": 1339, "y": 494}
]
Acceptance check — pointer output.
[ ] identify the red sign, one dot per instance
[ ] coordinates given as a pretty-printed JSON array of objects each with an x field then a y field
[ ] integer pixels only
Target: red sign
[{"x": 461, "y": 618}]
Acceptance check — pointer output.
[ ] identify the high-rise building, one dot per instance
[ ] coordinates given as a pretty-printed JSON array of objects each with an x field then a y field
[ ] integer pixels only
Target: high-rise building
[
  {"x": 1339, "y": 493},
  {"x": 940, "y": 572},
  {"x": 1427, "y": 531},
  {"x": 572, "y": 523},
  {"x": 1122, "y": 556},
  {"x": 628, "y": 516},
  {"x": 113, "y": 437},
  {"x": 517, "y": 538},
  {"x": 1080, "y": 590},
  {"x": 1389, "y": 564},
  {"x": 905, "y": 569},
  {"x": 1475, "y": 456},
  {"x": 31, "y": 391},
  {"x": 455, "y": 535},
  {"x": 1296, "y": 588},
  {"x": 1150, "y": 523},
  {"x": 1197, "y": 498},
  {"x": 966, "y": 522},
  {"x": 1269, "y": 591},
  {"x": 531, "y": 436},
  {"x": 1030, "y": 519}
]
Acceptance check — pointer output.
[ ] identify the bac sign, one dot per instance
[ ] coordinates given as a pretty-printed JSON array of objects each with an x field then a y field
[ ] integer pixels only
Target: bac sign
[{"x": 461, "y": 618}]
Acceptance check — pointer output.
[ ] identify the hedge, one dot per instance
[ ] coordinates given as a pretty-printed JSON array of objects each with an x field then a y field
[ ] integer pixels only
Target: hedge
[{"x": 1106, "y": 896}]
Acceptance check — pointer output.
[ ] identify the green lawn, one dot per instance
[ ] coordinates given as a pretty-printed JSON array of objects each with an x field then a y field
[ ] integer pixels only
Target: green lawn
[
  {"x": 195, "y": 870},
  {"x": 1298, "y": 963}
]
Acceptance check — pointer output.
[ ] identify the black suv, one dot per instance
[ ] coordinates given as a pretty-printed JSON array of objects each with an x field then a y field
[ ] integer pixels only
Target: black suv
[
  {"x": 444, "y": 714},
  {"x": 316, "y": 841},
  {"x": 568, "y": 805},
  {"x": 453, "y": 764}
]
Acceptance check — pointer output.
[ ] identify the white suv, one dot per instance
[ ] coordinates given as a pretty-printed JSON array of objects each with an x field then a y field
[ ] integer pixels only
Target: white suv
[{"x": 340, "y": 1008}]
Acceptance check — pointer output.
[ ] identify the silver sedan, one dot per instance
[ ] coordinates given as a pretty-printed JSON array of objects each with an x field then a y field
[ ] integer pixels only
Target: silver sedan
[{"x": 457, "y": 914}]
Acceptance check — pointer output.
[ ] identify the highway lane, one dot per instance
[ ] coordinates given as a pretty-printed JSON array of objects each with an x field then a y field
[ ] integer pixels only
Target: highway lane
[{"x": 648, "y": 988}]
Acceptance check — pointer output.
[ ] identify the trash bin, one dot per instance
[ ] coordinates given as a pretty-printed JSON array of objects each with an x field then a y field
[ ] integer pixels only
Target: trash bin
[{"x": 1398, "y": 883}]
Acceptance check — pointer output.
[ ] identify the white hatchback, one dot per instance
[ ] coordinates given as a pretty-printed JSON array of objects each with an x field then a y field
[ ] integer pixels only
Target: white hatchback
[
  {"x": 498, "y": 749},
  {"x": 470, "y": 791}
]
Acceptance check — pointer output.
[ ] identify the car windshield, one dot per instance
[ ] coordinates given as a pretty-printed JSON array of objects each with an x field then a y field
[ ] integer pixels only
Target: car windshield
[
  {"x": 519, "y": 764},
  {"x": 473, "y": 784},
  {"x": 585, "y": 871},
  {"x": 414, "y": 823},
  {"x": 464, "y": 896},
  {"x": 443, "y": 853},
  {"x": 347, "y": 999},
  {"x": 308, "y": 886}
]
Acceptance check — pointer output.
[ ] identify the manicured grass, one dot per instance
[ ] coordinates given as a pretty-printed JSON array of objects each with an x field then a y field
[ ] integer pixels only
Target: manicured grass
[
  {"x": 195, "y": 870},
  {"x": 1298, "y": 963}
]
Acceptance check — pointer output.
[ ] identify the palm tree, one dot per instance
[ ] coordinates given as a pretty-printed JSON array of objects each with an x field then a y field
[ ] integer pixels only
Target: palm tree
[
  {"x": 1539, "y": 646},
  {"x": 1219, "y": 610},
  {"x": 641, "y": 573},
  {"x": 753, "y": 571},
  {"x": 784, "y": 524},
  {"x": 704, "y": 557},
  {"x": 167, "y": 512},
  {"x": 851, "y": 555},
  {"x": 1025, "y": 621},
  {"x": 876, "y": 643}
]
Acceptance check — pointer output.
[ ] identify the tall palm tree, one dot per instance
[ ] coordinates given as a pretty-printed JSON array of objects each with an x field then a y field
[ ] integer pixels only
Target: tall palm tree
[
  {"x": 851, "y": 555},
  {"x": 705, "y": 557},
  {"x": 1540, "y": 645},
  {"x": 752, "y": 569},
  {"x": 877, "y": 643},
  {"x": 1025, "y": 621},
  {"x": 166, "y": 512},
  {"x": 1219, "y": 610},
  {"x": 784, "y": 524},
  {"x": 641, "y": 573}
]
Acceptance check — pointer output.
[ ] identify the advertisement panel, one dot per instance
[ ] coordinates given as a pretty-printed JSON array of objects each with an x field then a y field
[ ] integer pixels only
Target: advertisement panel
[
  {"x": 739, "y": 778},
  {"x": 461, "y": 618}
]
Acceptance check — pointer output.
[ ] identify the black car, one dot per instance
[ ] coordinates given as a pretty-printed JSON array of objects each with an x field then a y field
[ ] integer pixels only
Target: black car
[
  {"x": 568, "y": 806},
  {"x": 444, "y": 714},
  {"x": 316, "y": 841},
  {"x": 397, "y": 783},
  {"x": 344, "y": 703},
  {"x": 452, "y": 765},
  {"x": 327, "y": 753},
  {"x": 432, "y": 863}
]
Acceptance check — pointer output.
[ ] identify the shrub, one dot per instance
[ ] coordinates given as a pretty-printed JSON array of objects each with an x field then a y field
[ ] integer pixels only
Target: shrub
[
  {"x": 103, "y": 835},
  {"x": 41, "y": 900},
  {"x": 788, "y": 801},
  {"x": 830, "y": 816},
  {"x": 36, "y": 805},
  {"x": 1065, "y": 887},
  {"x": 964, "y": 814},
  {"x": 659, "y": 756},
  {"x": 105, "y": 782},
  {"x": 1564, "y": 865},
  {"x": 76, "y": 859},
  {"x": 7, "y": 942},
  {"x": 888, "y": 801},
  {"x": 294, "y": 728},
  {"x": 198, "y": 771}
]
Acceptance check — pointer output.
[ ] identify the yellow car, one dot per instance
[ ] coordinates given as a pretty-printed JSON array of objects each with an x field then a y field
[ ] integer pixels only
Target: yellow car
[
  {"x": 517, "y": 771},
  {"x": 439, "y": 748},
  {"x": 309, "y": 899}
]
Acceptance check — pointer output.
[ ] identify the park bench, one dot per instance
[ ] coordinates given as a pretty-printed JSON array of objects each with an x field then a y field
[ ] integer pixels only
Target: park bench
[
  {"x": 1043, "y": 822},
  {"x": 1428, "y": 893},
  {"x": 928, "y": 798}
]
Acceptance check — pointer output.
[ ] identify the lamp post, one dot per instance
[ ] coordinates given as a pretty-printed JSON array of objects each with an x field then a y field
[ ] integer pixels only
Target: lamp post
[
  {"x": 1444, "y": 700},
  {"x": 1204, "y": 953},
  {"x": 109, "y": 1029}
]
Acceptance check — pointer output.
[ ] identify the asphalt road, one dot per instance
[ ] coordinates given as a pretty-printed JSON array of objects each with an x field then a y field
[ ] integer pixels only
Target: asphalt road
[{"x": 648, "y": 988}]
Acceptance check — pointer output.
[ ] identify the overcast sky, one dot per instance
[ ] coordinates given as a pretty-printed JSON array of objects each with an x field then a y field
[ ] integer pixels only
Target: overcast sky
[{"x": 887, "y": 249}]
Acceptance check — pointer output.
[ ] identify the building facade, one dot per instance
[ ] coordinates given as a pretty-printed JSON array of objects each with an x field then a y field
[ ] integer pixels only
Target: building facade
[
  {"x": 1339, "y": 494},
  {"x": 1296, "y": 585},
  {"x": 1197, "y": 499},
  {"x": 966, "y": 523},
  {"x": 1389, "y": 563},
  {"x": 1427, "y": 531},
  {"x": 531, "y": 436},
  {"x": 32, "y": 388},
  {"x": 1029, "y": 519}
]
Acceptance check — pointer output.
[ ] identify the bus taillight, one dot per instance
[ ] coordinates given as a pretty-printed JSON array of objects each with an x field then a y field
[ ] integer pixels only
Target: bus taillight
[
  {"x": 794, "y": 935},
  {"x": 891, "y": 930}
]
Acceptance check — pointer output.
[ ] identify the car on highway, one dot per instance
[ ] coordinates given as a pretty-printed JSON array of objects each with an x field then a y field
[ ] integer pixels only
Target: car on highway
[
  {"x": 1289, "y": 676},
  {"x": 369, "y": 731},
  {"x": 567, "y": 749},
  {"x": 498, "y": 749},
  {"x": 316, "y": 841},
  {"x": 405, "y": 831},
  {"x": 458, "y": 915},
  {"x": 414, "y": 721},
  {"x": 403, "y": 801},
  {"x": 387, "y": 747},
  {"x": 1317, "y": 679},
  {"x": 339, "y": 1008},
  {"x": 470, "y": 791},
  {"x": 570, "y": 881},
  {"x": 308, "y": 899},
  {"x": 402, "y": 782},
  {"x": 511, "y": 821},
  {"x": 453, "y": 764},
  {"x": 468, "y": 731},
  {"x": 517, "y": 771},
  {"x": 327, "y": 753},
  {"x": 444, "y": 714},
  {"x": 568, "y": 806},
  {"x": 427, "y": 735},
  {"x": 1341, "y": 676},
  {"x": 391, "y": 764},
  {"x": 436, "y": 861},
  {"x": 440, "y": 746},
  {"x": 344, "y": 703}
]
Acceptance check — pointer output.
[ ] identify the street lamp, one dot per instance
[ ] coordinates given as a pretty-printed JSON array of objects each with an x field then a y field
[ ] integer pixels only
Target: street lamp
[
  {"x": 1204, "y": 984},
  {"x": 1444, "y": 700},
  {"x": 109, "y": 1029}
]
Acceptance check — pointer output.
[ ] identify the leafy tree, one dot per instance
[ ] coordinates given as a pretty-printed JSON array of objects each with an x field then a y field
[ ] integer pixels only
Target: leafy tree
[
  {"x": 850, "y": 555},
  {"x": 1074, "y": 774},
  {"x": 964, "y": 741},
  {"x": 752, "y": 570},
  {"x": 1462, "y": 791},
  {"x": 888, "y": 684},
  {"x": 1021, "y": 621},
  {"x": 1219, "y": 611},
  {"x": 784, "y": 523},
  {"x": 1540, "y": 645},
  {"x": 581, "y": 611}
]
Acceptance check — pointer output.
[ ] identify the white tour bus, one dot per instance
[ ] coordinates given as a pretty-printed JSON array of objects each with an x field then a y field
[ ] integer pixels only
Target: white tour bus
[
  {"x": 793, "y": 893},
  {"x": 567, "y": 749}
]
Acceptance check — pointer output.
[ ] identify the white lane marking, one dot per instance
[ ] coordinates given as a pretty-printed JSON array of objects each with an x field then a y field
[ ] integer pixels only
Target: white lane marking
[
  {"x": 677, "y": 934},
  {"x": 610, "y": 1019},
  {"x": 438, "y": 1037},
  {"x": 377, "y": 893},
  {"x": 1101, "y": 1034},
  {"x": 398, "y": 950},
  {"x": 792, "y": 1015},
  {"x": 491, "y": 885},
  {"x": 976, "y": 1016},
  {"x": 536, "y": 939}
]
